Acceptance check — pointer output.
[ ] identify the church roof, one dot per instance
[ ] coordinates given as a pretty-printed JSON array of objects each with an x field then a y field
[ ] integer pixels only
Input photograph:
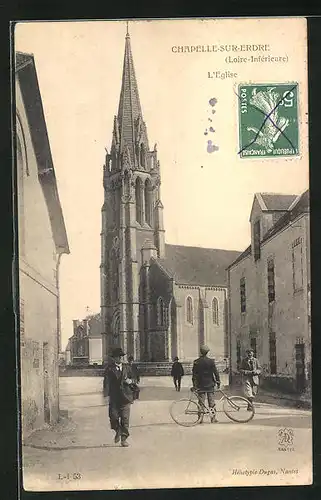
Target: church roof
[
  {"x": 196, "y": 265},
  {"x": 275, "y": 201}
]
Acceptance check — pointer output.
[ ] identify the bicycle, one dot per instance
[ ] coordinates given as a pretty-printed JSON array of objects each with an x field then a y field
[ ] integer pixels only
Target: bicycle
[{"x": 188, "y": 412}]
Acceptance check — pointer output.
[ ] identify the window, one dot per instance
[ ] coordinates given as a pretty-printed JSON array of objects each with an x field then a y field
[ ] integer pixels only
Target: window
[
  {"x": 257, "y": 240},
  {"x": 272, "y": 345},
  {"x": 215, "y": 311},
  {"x": 148, "y": 202},
  {"x": 160, "y": 312},
  {"x": 238, "y": 354},
  {"x": 297, "y": 264},
  {"x": 271, "y": 280},
  {"x": 189, "y": 310},
  {"x": 253, "y": 345},
  {"x": 138, "y": 198},
  {"x": 243, "y": 295}
]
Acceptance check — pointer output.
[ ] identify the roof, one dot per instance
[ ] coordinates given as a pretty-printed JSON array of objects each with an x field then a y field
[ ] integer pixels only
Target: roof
[
  {"x": 242, "y": 256},
  {"x": 196, "y": 265},
  {"x": 300, "y": 205},
  {"x": 277, "y": 201},
  {"x": 29, "y": 86}
]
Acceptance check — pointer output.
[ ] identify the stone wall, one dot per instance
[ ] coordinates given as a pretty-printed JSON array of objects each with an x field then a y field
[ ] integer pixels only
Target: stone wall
[{"x": 37, "y": 289}]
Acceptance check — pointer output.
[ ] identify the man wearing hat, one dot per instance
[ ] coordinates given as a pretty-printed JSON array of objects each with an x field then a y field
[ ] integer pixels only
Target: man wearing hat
[
  {"x": 205, "y": 376},
  {"x": 119, "y": 379},
  {"x": 177, "y": 373},
  {"x": 250, "y": 369}
]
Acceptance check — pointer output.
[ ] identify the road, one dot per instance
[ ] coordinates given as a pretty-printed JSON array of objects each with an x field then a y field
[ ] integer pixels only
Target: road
[{"x": 79, "y": 453}]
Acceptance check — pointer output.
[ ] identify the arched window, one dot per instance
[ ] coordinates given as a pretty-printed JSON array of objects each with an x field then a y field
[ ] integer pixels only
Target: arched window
[
  {"x": 138, "y": 198},
  {"x": 148, "y": 202},
  {"x": 215, "y": 311},
  {"x": 160, "y": 312},
  {"x": 189, "y": 310}
]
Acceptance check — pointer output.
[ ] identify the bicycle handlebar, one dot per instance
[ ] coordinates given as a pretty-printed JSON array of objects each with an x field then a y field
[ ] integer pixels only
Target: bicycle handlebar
[{"x": 193, "y": 389}]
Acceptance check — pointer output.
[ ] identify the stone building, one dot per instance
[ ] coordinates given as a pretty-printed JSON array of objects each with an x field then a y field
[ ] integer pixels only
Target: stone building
[
  {"x": 85, "y": 346},
  {"x": 157, "y": 300},
  {"x": 269, "y": 292},
  {"x": 42, "y": 241}
]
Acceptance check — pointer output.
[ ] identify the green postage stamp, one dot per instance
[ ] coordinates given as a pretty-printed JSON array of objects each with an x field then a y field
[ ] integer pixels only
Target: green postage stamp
[{"x": 268, "y": 120}]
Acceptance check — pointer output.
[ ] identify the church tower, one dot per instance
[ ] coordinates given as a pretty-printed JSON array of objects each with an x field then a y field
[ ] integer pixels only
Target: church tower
[{"x": 132, "y": 222}]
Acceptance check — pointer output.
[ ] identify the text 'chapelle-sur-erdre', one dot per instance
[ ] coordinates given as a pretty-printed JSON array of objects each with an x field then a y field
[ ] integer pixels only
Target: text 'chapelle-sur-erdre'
[{"x": 181, "y": 49}]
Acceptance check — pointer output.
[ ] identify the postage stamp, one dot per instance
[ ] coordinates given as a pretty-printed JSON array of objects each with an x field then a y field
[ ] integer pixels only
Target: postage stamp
[{"x": 268, "y": 120}]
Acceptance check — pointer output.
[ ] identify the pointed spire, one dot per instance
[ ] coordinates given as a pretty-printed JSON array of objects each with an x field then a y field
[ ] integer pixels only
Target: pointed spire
[{"x": 129, "y": 103}]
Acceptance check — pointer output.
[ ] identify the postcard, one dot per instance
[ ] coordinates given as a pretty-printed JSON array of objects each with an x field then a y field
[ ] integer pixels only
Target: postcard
[{"x": 164, "y": 253}]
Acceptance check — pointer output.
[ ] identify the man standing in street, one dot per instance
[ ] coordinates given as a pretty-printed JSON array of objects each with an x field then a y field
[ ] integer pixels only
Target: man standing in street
[
  {"x": 250, "y": 369},
  {"x": 177, "y": 373},
  {"x": 205, "y": 376},
  {"x": 118, "y": 380}
]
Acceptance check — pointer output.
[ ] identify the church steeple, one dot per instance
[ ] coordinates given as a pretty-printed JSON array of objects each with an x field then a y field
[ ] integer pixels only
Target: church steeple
[
  {"x": 131, "y": 214},
  {"x": 131, "y": 128}
]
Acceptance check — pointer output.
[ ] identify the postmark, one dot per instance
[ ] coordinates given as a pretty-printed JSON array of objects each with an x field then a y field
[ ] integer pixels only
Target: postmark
[{"x": 268, "y": 120}]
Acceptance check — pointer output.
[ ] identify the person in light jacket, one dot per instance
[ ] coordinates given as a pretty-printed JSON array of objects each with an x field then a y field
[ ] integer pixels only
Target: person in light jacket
[{"x": 250, "y": 370}]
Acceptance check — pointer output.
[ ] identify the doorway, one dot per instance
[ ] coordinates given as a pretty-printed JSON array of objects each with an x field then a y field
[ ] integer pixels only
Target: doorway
[{"x": 300, "y": 366}]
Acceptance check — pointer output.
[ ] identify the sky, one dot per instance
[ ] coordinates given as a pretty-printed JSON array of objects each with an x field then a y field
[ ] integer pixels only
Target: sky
[{"x": 207, "y": 197}]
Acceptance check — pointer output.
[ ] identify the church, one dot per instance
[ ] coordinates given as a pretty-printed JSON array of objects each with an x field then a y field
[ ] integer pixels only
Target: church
[{"x": 158, "y": 300}]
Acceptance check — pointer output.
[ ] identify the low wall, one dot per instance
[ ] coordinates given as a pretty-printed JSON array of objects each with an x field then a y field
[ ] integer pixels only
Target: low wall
[
  {"x": 156, "y": 369},
  {"x": 73, "y": 371},
  {"x": 278, "y": 384}
]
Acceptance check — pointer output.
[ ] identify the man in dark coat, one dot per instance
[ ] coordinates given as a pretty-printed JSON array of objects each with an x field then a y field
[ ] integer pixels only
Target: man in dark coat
[
  {"x": 205, "y": 377},
  {"x": 177, "y": 373},
  {"x": 250, "y": 369},
  {"x": 118, "y": 380}
]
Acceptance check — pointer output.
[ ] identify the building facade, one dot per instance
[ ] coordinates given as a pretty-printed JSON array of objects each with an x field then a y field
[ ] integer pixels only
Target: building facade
[
  {"x": 269, "y": 292},
  {"x": 85, "y": 346},
  {"x": 42, "y": 241},
  {"x": 157, "y": 300}
]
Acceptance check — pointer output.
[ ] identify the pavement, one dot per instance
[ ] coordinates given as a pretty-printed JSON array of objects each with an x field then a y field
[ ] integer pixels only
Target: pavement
[{"x": 79, "y": 452}]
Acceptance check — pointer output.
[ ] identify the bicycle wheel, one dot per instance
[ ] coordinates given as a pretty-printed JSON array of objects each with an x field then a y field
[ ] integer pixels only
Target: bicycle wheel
[
  {"x": 236, "y": 409},
  {"x": 185, "y": 412}
]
